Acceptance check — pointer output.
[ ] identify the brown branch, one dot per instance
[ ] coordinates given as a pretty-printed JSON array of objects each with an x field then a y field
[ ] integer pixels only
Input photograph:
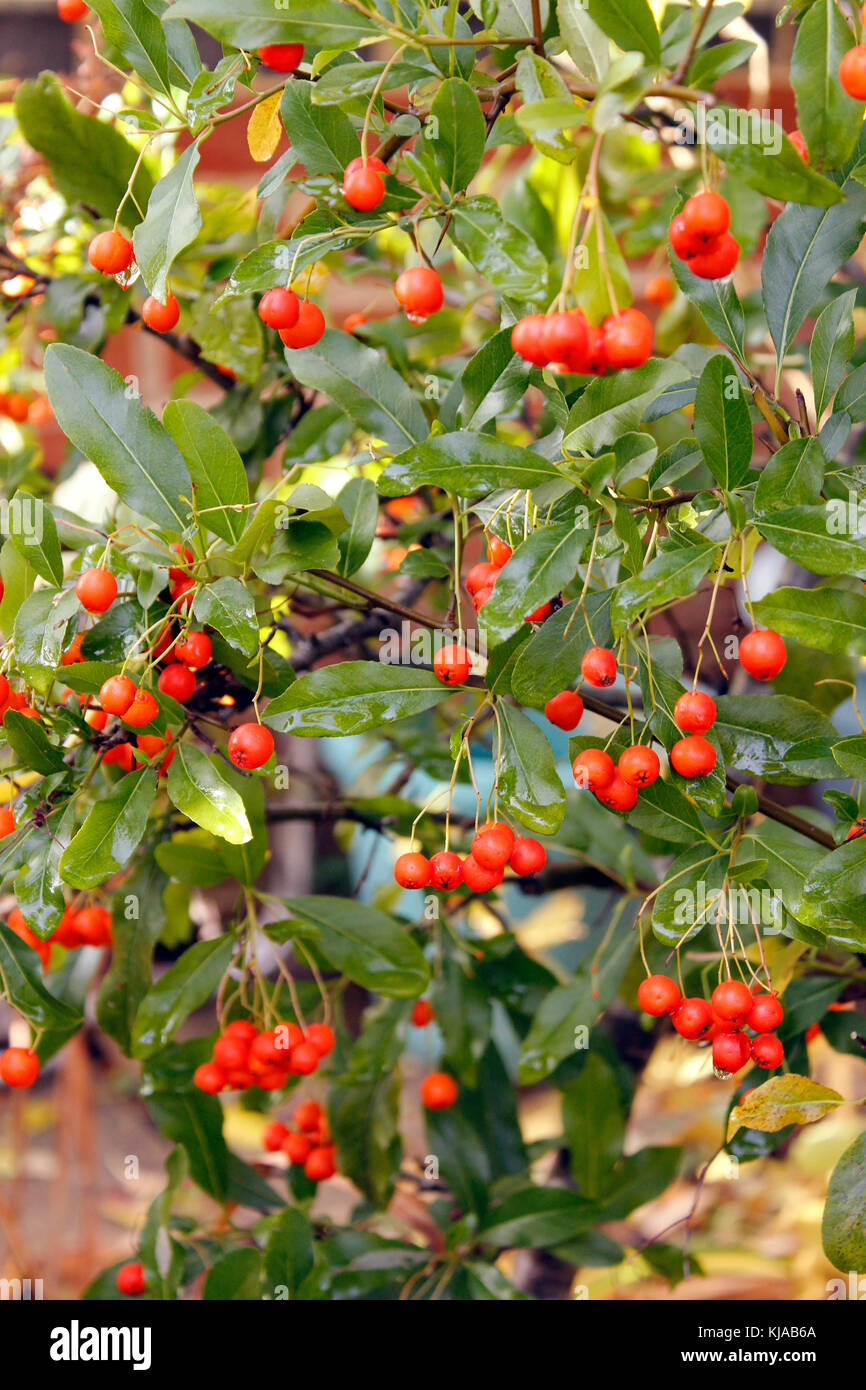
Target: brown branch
[{"x": 695, "y": 39}]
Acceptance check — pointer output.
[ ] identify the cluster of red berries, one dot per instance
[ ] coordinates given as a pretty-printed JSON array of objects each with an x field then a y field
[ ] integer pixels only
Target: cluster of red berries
[
  {"x": 112, "y": 253},
  {"x": 308, "y": 1144},
  {"x": 244, "y": 1057},
  {"x": 299, "y": 322},
  {"x": 86, "y": 926},
  {"x": 14, "y": 699},
  {"x": 731, "y": 1008},
  {"x": 566, "y": 342},
  {"x": 481, "y": 579},
  {"x": 699, "y": 236},
  {"x": 493, "y": 848}
]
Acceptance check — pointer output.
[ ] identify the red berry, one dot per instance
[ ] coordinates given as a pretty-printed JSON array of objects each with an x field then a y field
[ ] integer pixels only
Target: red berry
[
  {"x": 492, "y": 846},
  {"x": 765, "y": 1014},
  {"x": 195, "y": 652},
  {"x": 730, "y": 1051},
  {"x": 304, "y": 1059},
  {"x": 161, "y": 317},
  {"x": 767, "y": 1051},
  {"x": 763, "y": 654},
  {"x": 143, "y": 710},
  {"x": 19, "y": 1066},
  {"x": 628, "y": 338},
  {"x": 598, "y": 666},
  {"x": 706, "y": 216},
  {"x": 420, "y": 292},
  {"x": 565, "y": 338},
  {"x": 657, "y": 995},
  {"x": 320, "y": 1164},
  {"x": 130, "y": 1278},
  {"x": 529, "y": 339},
  {"x": 683, "y": 241},
  {"x": 618, "y": 795},
  {"x": 695, "y": 712},
  {"x": 121, "y": 754},
  {"x": 852, "y": 72},
  {"x": 528, "y": 856},
  {"x": 732, "y": 1000},
  {"x": 231, "y": 1053},
  {"x": 477, "y": 878},
  {"x": 281, "y": 57},
  {"x": 110, "y": 252},
  {"x": 309, "y": 327},
  {"x": 412, "y": 871},
  {"x": 307, "y": 1115},
  {"x": 117, "y": 694},
  {"x": 693, "y": 1019},
  {"x": 717, "y": 259},
  {"x": 296, "y": 1147},
  {"x": 596, "y": 355},
  {"x": 181, "y": 590},
  {"x": 177, "y": 681},
  {"x": 446, "y": 870},
  {"x": 279, "y": 308},
  {"x": 96, "y": 590},
  {"x": 250, "y": 745},
  {"x": 7, "y": 822},
  {"x": 480, "y": 576},
  {"x": 93, "y": 925},
  {"x": 498, "y": 552},
  {"x": 422, "y": 1013},
  {"x": 593, "y": 769},
  {"x": 373, "y": 162},
  {"x": 242, "y": 1028},
  {"x": 539, "y": 614},
  {"x": 565, "y": 710},
  {"x": 638, "y": 765},
  {"x": 363, "y": 189},
  {"x": 452, "y": 665},
  {"x": 273, "y": 1136},
  {"x": 693, "y": 756},
  {"x": 438, "y": 1090},
  {"x": 71, "y": 10},
  {"x": 799, "y": 144},
  {"x": 321, "y": 1037},
  {"x": 659, "y": 290}
]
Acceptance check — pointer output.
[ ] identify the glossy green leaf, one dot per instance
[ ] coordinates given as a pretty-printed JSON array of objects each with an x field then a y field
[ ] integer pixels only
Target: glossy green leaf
[
  {"x": 185, "y": 986},
  {"x": 502, "y": 254},
  {"x": 831, "y": 347},
  {"x": 670, "y": 574},
  {"x": 465, "y": 463},
  {"x": 22, "y": 987},
  {"x": 629, "y": 23},
  {"x": 461, "y": 133},
  {"x": 359, "y": 503},
  {"x": 529, "y": 784},
  {"x": 198, "y": 787},
  {"x": 111, "y": 833},
  {"x": 843, "y": 1228},
  {"x": 819, "y": 538},
  {"x": 251, "y": 23},
  {"x": 215, "y": 467},
  {"x": 775, "y": 737},
  {"x": 31, "y": 528},
  {"x": 832, "y": 620},
  {"x": 827, "y": 118},
  {"x": 793, "y": 476},
  {"x": 360, "y": 382},
  {"x": 351, "y": 697},
  {"x": 537, "y": 1217},
  {"x": 538, "y": 570},
  {"x": 756, "y": 151},
  {"x": 227, "y": 605},
  {"x": 722, "y": 424},
  {"x": 612, "y": 406},
  {"x": 371, "y": 948}
]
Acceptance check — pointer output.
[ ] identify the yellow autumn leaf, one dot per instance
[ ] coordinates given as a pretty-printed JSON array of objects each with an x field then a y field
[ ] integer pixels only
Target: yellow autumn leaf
[
  {"x": 781, "y": 1101},
  {"x": 264, "y": 129}
]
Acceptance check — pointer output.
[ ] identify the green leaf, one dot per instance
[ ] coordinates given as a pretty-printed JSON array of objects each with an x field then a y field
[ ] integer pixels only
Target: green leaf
[
  {"x": 198, "y": 787},
  {"x": 494, "y": 381},
  {"x": 567, "y": 1008},
  {"x": 717, "y": 302},
  {"x": 30, "y": 526},
  {"x": 537, "y": 1217},
  {"x": 363, "y": 1104},
  {"x": 827, "y": 118},
  {"x": 39, "y": 888},
  {"x": 371, "y": 948},
  {"x": 529, "y": 784},
  {"x": 30, "y": 743},
  {"x": 805, "y": 248},
  {"x": 831, "y": 347},
  {"x": 629, "y": 23},
  {"x": 352, "y": 697},
  {"x": 464, "y": 1019},
  {"x": 236, "y": 1275},
  {"x": 550, "y": 660},
  {"x": 500, "y": 252},
  {"x": 215, "y": 467},
  {"x": 690, "y": 896},
  {"x": 288, "y": 1252},
  {"x": 775, "y": 737},
  {"x": 90, "y": 160},
  {"x": 539, "y": 568},
  {"x": 756, "y": 151},
  {"x": 39, "y": 632},
  {"x": 843, "y": 1228},
  {"x": 834, "y": 894},
  {"x": 467, "y": 464},
  {"x": 722, "y": 423},
  {"x": 359, "y": 503},
  {"x": 112, "y": 831},
  {"x": 322, "y": 137},
  {"x": 637, "y": 1179},
  {"x": 593, "y": 1124},
  {"x": 818, "y": 538},
  {"x": 110, "y": 425},
  {"x": 128, "y": 978},
  {"x": 585, "y": 42},
  {"x": 666, "y": 814},
  {"x": 227, "y": 605},
  {"x": 363, "y": 385},
  {"x": 461, "y": 133},
  {"x": 22, "y": 987},
  {"x": 252, "y": 23},
  {"x": 185, "y": 986},
  {"x": 793, "y": 476},
  {"x": 671, "y": 574},
  {"x": 547, "y": 107},
  {"x": 612, "y": 406},
  {"x": 195, "y": 1121},
  {"x": 132, "y": 27}
]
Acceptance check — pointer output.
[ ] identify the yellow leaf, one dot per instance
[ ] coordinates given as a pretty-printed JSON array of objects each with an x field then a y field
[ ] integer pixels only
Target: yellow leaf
[
  {"x": 783, "y": 1100},
  {"x": 264, "y": 129}
]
